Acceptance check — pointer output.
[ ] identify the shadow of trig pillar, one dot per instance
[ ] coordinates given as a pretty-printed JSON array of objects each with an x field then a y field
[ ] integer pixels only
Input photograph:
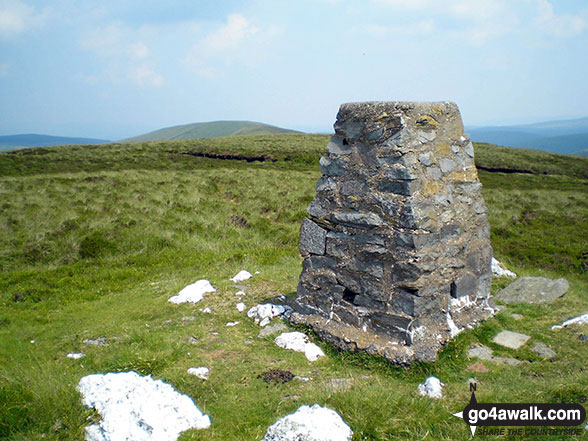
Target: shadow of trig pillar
[{"x": 397, "y": 253}]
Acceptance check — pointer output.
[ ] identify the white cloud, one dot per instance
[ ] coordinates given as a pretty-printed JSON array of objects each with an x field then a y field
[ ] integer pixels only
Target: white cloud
[
  {"x": 419, "y": 28},
  {"x": 124, "y": 55},
  {"x": 407, "y": 4},
  {"x": 238, "y": 41},
  {"x": 562, "y": 25},
  {"x": 237, "y": 29},
  {"x": 145, "y": 76},
  {"x": 17, "y": 17},
  {"x": 138, "y": 50}
]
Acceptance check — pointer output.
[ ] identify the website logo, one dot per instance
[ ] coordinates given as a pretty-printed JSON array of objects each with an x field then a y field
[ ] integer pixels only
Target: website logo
[{"x": 523, "y": 414}]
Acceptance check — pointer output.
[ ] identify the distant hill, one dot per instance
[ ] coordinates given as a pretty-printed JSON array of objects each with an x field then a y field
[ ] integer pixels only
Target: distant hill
[
  {"x": 212, "y": 129},
  {"x": 11, "y": 142},
  {"x": 567, "y": 136}
]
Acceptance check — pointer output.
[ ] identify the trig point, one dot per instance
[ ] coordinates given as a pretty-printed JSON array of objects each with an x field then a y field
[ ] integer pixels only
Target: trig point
[{"x": 397, "y": 247}]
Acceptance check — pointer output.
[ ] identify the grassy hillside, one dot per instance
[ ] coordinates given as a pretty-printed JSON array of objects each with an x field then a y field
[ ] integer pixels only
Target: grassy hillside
[
  {"x": 94, "y": 240},
  {"x": 212, "y": 129}
]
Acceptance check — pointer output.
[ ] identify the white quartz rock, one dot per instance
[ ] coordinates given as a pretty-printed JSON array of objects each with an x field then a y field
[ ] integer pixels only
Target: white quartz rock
[
  {"x": 138, "y": 408},
  {"x": 297, "y": 341},
  {"x": 499, "y": 271},
  {"x": 193, "y": 293},
  {"x": 432, "y": 387},
  {"x": 201, "y": 372},
  {"x": 314, "y": 423},
  {"x": 241, "y": 276},
  {"x": 580, "y": 320}
]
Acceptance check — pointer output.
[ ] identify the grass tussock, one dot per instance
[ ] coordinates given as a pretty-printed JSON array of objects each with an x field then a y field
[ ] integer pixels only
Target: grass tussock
[{"x": 94, "y": 240}]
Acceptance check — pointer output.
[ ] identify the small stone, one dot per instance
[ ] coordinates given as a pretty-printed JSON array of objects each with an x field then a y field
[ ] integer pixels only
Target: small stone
[
  {"x": 543, "y": 350},
  {"x": 478, "y": 367},
  {"x": 231, "y": 324},
  {"x": 241, "y": 276},
  {"x": 312, "y": 238},
  {"x": 499, "y": 271},
  {"x": 75, "y": 355},
  {"x": 314, "y": 423},
  {"x": 201, "y": 372},
  {"x": 509, "y": 339},
  {"x": 241, "y": 307},
  {"x": 297, "y": 341},
  {"x": 207, "y": 311},
  {"x": 188, "y": 319},
  {"x": 533, "y": 290},
  {"x": 517, "y": 316},
  {"x": 240, "y": 293},
  {"x": 193, "y": 340},
  {"x": 482, "y": 352},
  {"x": 580, "y": 320},
  {"x": 432, "y": 388},
  {"x": 506, "y": 360},
  {"x": 193, "y": 293},
  {"x": 583, "y": 337},
  {"x": 303, "y": 379},
  {"x": 273, "y": 329},
  {"x": 264, "y": 322},
  {"x": 447, "y": 165},
  {"x": 340, "y": 384},
  {"x": 100, "y": 341}
]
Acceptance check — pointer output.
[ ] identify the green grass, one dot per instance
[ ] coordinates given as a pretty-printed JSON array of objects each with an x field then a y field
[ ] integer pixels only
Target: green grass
[{"x": 94, "y": 240}]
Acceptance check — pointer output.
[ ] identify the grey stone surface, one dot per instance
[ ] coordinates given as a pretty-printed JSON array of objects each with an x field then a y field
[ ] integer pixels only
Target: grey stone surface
[
  {"x": 510, "y": 339},
  {"x": 485, "y": 353},
  {"x": 533, "y": 290},
  {"x": 272, "y": 329},
  {"x": 397, "y": 248},
  {"x": 482, "y": 352},
  {"x": 312, "y": 238},
  {"x": 542, "y": 350}
]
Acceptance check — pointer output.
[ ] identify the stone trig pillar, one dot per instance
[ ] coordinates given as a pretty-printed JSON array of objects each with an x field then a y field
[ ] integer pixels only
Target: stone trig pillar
[{"x": 397, "y": 254}]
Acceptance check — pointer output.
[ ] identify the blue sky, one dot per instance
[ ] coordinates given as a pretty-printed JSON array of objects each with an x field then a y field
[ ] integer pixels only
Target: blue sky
[{"x": 114, "y": 69}]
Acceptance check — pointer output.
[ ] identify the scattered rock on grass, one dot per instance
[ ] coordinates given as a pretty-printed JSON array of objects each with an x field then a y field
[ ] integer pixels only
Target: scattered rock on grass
[
  {"x": 580, "y": 320},
  {"x": 230, "y": 324},
  {"x": 340, "y": 384},
  {"x": 482, "y": 352},
  {"x": 100, "y": 341},
  {"x": 299, "y": 342},
  {"x": 193, "y": 293},
  {"x": 263, "y": 313},
  {"x": 207, "y": 311},
  {"x": 509, "y": 339},
  {"x": 201, "y": 372},
  {"x": 241, "y": 306},
  {"x": 500, "y": 271},
  {"x": 432, "y": 388},
  {"x": 241, "y": 276},
  {"x": 75, "y": 355},
  {"x": 542, "y": 350},
  {"x": 138, "y": 408},
  {"x": 485, "y": 353},
  {"x": 272, "y": 329},
  {"x": 478, "y": 367},
  {"x": 533, "y": 290},
  {"x": 314, "y": 423}
]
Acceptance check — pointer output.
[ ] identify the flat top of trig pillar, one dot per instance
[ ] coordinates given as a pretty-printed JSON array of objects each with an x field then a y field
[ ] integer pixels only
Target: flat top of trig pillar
[{"x": 415, "y": 107}]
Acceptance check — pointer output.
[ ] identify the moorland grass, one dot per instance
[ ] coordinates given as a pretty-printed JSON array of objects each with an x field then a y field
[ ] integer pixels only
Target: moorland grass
[{"x": 93, "y": 241}]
